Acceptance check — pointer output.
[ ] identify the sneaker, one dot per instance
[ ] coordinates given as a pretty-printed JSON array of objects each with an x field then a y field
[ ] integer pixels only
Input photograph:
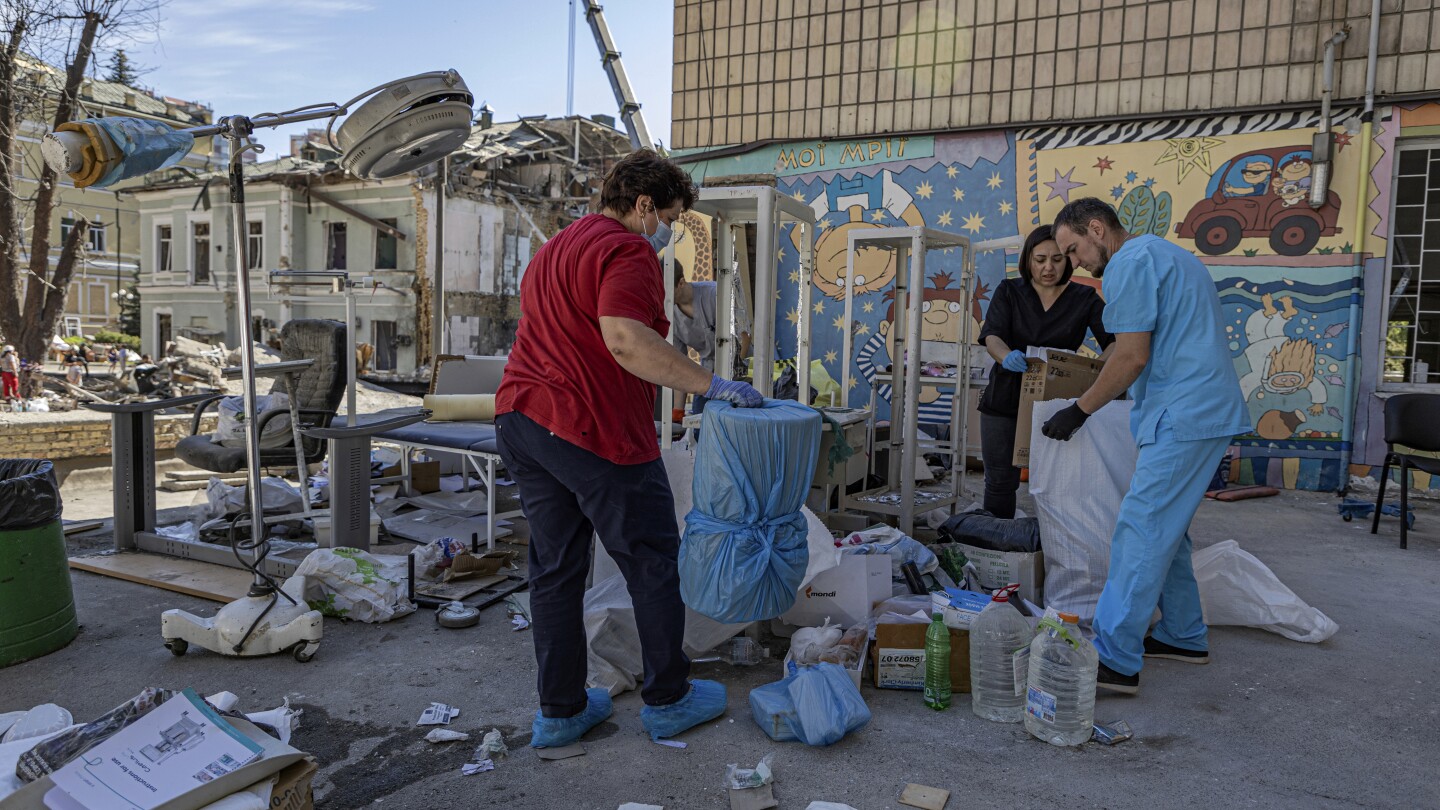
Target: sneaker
[
  {"x": 1110, "y": 680},
  {"x": 1155, "y": 648},
  {"x": 558, "y": 732},
  {"x": 704, "y": 702}
]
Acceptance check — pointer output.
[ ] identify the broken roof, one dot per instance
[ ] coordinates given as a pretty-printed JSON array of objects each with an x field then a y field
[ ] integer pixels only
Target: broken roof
[
  {"x": 539, "y": 136},
  {"x": 113, "y": 95}
]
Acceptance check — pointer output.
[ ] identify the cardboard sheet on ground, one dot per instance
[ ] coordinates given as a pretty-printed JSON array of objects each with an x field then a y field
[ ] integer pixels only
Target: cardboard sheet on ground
[
  {"x": 459, "y": 504},
  {"x": 614, "y": 657},
  {"x": 426, "y": 526}
]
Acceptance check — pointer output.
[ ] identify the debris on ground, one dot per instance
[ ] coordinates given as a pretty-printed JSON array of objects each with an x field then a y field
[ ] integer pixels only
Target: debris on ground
[
  {"x": 924, "y": 797},
  {"x": 492, "y": 745},
  {"x": 438, "y": 714},
  {"x": 444, "y": 735}
]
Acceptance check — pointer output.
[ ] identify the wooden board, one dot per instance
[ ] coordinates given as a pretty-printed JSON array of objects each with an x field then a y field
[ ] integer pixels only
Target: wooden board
[{"x": 217, "y": 583}]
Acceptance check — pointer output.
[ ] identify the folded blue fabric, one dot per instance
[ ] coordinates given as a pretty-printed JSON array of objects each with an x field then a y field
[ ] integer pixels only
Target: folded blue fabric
[{"x": 744, "y": 552}]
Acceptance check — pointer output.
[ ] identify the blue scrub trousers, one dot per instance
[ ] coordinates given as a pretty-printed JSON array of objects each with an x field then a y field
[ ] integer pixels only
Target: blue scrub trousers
[{"x": 1150, "y": 552}]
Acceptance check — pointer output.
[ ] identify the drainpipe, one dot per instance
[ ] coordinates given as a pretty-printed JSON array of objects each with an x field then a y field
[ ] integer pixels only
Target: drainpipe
[
  {"x": 1321, "y": 150},
  {"x": 1362, "y": 186}
]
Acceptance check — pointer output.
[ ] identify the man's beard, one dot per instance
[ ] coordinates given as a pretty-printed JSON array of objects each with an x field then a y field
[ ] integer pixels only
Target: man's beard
[{"x": 1099, "y": 271}]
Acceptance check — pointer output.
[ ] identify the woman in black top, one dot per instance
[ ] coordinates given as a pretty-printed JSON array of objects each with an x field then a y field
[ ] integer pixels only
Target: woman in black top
[{"x": 1041, "y": 309}]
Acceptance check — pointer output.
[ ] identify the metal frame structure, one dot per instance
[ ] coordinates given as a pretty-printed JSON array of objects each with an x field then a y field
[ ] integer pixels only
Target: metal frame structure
[
  {"x": 768, "y": 209},
  {"x": 911, "y": 244}
]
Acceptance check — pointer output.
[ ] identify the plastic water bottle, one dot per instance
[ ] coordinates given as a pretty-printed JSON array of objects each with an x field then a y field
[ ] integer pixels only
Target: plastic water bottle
[
  {"x": 937, "y": 664},
  {"x": 1060, "y": 702},
  {"x": 999, "y": 660}
]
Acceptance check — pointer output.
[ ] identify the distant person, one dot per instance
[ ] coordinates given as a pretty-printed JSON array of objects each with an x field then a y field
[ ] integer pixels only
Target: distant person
[
  {"x": 694, "y": 323},
  {"x": 124, "y": 353},
  {"x": 74, "y": 369},
  {"x": 9, "y": 374},
  {"x": 114, "y": 359},
  {"x": 1172, "y": 354}
]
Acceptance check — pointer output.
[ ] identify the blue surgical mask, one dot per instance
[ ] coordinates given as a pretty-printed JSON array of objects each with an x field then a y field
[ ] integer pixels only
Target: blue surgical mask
[{"x": 661, "y": 238}]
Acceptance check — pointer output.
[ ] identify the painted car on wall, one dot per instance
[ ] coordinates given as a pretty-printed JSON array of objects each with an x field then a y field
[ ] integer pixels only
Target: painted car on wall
[{"x": 1264, "y": 193}]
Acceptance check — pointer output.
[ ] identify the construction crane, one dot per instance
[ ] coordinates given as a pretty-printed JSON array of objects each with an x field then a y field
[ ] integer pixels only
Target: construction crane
[{"x": 624, "y": 95}]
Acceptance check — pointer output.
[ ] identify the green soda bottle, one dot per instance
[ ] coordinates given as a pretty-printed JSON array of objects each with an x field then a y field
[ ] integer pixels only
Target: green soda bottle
[{"x": 937, "y": 664}]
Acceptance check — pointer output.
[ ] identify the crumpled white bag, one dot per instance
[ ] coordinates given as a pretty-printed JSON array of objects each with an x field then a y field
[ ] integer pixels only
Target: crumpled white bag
[
  {"x": 230, "y": 424},
  {"x": 347, "y": 583},
  {"x": 1238, "y": 589}
]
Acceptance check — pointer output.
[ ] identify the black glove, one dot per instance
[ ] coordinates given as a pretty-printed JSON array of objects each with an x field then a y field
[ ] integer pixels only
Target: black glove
[{"x": 1065, "y": 423}]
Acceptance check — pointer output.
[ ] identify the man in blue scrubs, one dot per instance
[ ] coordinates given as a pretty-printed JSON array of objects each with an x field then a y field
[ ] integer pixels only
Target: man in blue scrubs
[{"x": 1171, "y": 353}]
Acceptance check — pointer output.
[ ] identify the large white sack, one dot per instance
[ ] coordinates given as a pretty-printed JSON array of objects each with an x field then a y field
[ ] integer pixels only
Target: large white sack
[
  {"x": 614, "y": 642},
  {"x": 1236, "y": 588},
  {"x": 1077, "y": 487}
]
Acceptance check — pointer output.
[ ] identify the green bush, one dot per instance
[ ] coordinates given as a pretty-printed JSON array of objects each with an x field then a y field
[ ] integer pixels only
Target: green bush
[
  {"x": 74, "y": 340},
  {"x": 130, "y": 342}
]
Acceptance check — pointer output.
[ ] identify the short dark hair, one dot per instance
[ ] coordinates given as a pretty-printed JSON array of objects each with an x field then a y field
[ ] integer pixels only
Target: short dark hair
[
  {"x": 1078, "y": 215},
  {"x": 643, "y": 172},
  {"x": 1044, "y": 233},
  {"x": 679, "y": 272}
]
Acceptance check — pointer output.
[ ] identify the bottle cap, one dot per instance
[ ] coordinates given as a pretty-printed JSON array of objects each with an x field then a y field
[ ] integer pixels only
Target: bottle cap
[
  {"x": 1004, "y": 594},
  {"x": 1069, "y": 618},
  {"x": 937, "y": 617}
]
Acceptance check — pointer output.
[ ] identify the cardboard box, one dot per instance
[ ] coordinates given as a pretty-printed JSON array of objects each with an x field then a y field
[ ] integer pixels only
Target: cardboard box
[
  {"x": 292, "y": 789},
  {"x": 898, "y": 654},
  {"x": 1000, "y": 568},
  {"x": 788, "y": 666},
  {"x": 844, "y": 594},
  {"x": 1062, "y": 375},
  {"x": 959, "y": 608},
  {"x": 424, "y": 476}
]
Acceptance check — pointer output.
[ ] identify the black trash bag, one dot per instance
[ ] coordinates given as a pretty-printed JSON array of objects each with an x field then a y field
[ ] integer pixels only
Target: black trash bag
[
  {"x": 29, "y": 493},
  {"x": 983, "y": 530},
  {"x": 788, "y": 385}
]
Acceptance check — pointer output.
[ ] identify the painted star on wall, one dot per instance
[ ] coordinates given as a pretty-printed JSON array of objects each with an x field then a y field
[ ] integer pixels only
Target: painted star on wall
[
  {"x": 958, "y": 194},
  {"x": 831, "y": 356},
  {"x": 1149, "y": 182},
  {"x": 819, "y": 307},
  {"x": 862, "y": 329},
  {"x": 1102, "y": 164},
  {"x": 839, "y": 323},
  {"x": 924, "y": 190},
  {"x": 974, "y": 223},
  {"x": 794, "y": 276},
  {"x": 1006, "y": 207},
  {"x": 1062, "y": 185},
  {"x": 878, "y": 215},
  {"x": 799, "y": 195},
  {"x": 995, "y": 181},
  {"x": 951, "y": 171},
  {"x": 946, "y": 218},
  {"x": 1342, "y": 140},
  {"x": 793, "y": 316},
  {"x": 1130, "y": 177},
  {"x": 868, "y": 306},
  {"x": 780, "y": 254},
  {"x": 1117, "y": 192}
]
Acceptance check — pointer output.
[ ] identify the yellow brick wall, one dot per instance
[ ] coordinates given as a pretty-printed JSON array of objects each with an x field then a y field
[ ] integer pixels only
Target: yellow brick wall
[
  {"x": 84, "y": 438},
  {"x": 750, "y": 70}
]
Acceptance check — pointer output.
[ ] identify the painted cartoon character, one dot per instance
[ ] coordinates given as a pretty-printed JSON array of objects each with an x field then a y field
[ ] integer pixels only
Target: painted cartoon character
[
  {"x": 1254, "y": 178},
  {"x": 855, "y": 198},
  {"x": 940, "y": 314},
  {"x": 1292, "y": 181},
  {"x": 1280, "y": 365}
]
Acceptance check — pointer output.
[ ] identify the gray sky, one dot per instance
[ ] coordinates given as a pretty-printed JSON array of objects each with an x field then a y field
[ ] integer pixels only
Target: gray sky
[{"x": 253, "y": 56}]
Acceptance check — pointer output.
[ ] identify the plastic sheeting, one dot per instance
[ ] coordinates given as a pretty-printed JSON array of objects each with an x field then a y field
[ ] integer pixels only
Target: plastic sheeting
[
  {"x": 1236, "y": 588},
  {"x": 135, "y": 147},
  {"x": 817, "y": 705},
  {"x": 1077, "y": 487},
  {"x": 744, "y": 551},
  {"x": 981, "y": 529},
  {"x": 614, "y": 660},
  {"x": 29, "y": 493}
]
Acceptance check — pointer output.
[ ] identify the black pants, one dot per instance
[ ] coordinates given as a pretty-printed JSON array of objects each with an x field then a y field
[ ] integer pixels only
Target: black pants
[
  {"x": 569, "y": 494},
  {"x": 997, "y": 450}
]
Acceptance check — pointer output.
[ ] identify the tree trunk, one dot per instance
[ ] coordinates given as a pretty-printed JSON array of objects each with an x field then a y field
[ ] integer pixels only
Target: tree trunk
[
  {"x": 47, "y": 305},
  {"x": 10, "y": 234},
  {"x": 40, "y": 299}
]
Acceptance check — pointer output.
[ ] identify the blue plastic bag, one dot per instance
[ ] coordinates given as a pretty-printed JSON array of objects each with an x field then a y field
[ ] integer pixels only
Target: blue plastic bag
[
  {"x": 817, "y": 705},
  {"x": 744, "y": 552}
]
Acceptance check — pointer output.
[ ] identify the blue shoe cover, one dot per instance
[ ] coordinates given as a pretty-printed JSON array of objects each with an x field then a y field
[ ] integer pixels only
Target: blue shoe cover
[
  {"x": 558, "y": 732},
  {"x": 705, "y": 701}
]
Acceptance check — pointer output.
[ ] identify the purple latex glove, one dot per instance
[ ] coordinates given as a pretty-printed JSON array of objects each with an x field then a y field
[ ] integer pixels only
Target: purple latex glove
[{"x": 737, "y": 393}]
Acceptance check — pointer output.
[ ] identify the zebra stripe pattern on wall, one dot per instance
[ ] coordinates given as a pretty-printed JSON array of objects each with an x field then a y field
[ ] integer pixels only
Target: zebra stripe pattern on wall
[{"x": 1062, "y": 137}]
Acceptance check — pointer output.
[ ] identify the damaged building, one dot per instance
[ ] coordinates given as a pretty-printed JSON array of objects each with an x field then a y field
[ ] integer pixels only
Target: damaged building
[{"x": 511, "y": 187}]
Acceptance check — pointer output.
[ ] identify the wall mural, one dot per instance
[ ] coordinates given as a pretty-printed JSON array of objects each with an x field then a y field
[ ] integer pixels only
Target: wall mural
[{"x": 1234, "y": 190}]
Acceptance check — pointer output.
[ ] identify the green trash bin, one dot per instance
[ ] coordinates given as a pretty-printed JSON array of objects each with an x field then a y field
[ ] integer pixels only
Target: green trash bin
[{"x": 37, "y": 606}]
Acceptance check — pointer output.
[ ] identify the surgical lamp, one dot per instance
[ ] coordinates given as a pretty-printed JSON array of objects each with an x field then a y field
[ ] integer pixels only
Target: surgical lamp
[{"x": 400, "y": 126}]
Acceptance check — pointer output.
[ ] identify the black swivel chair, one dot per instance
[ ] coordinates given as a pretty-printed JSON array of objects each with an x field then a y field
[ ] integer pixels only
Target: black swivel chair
[
  {"x": 315, "y": 394},
  {"x": 1413, "y": 421}
]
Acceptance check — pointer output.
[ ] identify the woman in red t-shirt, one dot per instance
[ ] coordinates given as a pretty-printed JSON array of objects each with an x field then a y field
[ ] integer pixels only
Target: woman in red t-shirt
[{"x": 575, "y": 428}]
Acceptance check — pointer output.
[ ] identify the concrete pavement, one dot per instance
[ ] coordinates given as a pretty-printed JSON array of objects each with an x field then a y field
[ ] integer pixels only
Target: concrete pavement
[{"x": 1270, "y": 723}]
